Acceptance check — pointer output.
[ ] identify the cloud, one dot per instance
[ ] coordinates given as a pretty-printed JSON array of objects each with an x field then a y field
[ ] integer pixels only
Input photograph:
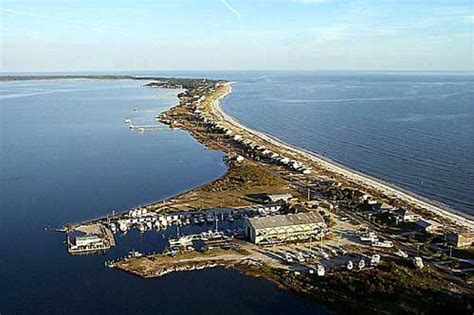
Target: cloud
[
  {"x": 59, "y": 19},
  {"x": 231, "y": 8}
]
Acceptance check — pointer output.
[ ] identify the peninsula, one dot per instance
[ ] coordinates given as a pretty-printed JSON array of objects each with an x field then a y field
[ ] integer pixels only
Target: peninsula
[{"x": 312, "y": 226}]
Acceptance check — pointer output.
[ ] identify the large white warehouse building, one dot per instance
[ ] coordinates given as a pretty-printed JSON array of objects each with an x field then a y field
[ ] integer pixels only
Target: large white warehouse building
[{"x": 284, "y": 228}]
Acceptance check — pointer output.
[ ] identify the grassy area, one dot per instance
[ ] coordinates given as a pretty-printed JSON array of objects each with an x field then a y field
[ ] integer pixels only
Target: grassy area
[
  {"x": 391, "y": 289},
  {"x": 245, "y": 176},
  {"x": 231, "y": 189},
  {"x": 152, "y": 266}
]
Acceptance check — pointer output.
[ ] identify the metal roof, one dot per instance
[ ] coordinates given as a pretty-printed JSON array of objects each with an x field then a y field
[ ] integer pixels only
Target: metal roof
[
  {"x": 276, "y": 197},
  {"x": 286, "y": 220},
  {"x": 89, "y": 237}
]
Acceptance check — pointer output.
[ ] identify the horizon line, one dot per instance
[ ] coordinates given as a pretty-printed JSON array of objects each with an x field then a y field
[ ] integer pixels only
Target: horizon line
[{"x": 5, "y": 72}]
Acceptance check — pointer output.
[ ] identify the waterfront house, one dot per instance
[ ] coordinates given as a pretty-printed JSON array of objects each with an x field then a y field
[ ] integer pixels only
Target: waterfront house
[
  {"x": 382, "y": 208},
  {"x": 404, "y": 215}
]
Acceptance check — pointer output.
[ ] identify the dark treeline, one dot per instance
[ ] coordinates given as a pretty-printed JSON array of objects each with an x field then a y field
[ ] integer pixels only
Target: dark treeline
[{"x": 185, "y": 82}]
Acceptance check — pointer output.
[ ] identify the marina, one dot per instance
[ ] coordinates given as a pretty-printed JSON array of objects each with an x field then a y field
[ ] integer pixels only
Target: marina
[{"x": 286, "y": 214}]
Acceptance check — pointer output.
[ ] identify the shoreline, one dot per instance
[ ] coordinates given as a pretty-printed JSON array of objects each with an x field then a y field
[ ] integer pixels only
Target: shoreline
[
  {"x": 388, "y": 189},
  {"x": 357, "y": 177},
  {"x": 250, "y": 171}
]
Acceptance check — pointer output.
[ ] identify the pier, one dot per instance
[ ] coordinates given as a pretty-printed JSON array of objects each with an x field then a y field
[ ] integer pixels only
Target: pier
[{"x": 92, "y": 238}]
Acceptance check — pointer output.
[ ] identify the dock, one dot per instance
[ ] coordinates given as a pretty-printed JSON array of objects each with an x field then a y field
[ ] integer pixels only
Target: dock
[{"x": 94, "y": 238}]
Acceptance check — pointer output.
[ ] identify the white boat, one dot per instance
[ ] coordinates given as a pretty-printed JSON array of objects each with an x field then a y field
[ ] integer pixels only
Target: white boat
[
  {"x": 141, "y": 228},
  {"x": 401, "y": 253},
  {"x": 174, "y": 251},
  {"x": 418, "y": 262},
  {"x": 369, "y": 237},
  {"x": 141, "y": 129},
  {"x": 322, "y": 253},
  {"x": 320, "y": 270},
  {"x": 163, "y": 221},
  {"x": 300, "y": 257},
  {"x": 135, "y": 109},
  {"x": 211, "y": 235},
  {"x": 128, "y": 121},
  {"x": 134, "y": 254},
  {"x": 386, "y": 244},
  {"x": 350, "y": 265},
  {"x": 375, "y": 260},
  {"x": 123, "y": 227},
  {"x": 113, "y": 227},
  {"x": 361, "y": 264},
  {"x": 216, "y": 234},
  {"x": 183, "y": 240}
]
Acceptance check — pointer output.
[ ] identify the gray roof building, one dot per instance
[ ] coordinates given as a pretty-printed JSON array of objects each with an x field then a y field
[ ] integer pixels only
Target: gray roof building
[{"x": 282, "y": 228}]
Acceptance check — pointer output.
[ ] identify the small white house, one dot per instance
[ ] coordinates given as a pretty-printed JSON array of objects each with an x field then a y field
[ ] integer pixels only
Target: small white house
[
  {"x": 272, "y": 198},
  {"x": 408, "y": 216}
]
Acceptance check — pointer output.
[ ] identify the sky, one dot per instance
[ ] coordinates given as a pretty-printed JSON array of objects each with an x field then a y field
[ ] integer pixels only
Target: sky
[{"x": 121, "y": 35}]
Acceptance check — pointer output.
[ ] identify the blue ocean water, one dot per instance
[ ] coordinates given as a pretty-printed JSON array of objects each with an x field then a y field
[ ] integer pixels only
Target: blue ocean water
[
  {"x": 66, "y": 156},
  {"x": 411, "y": 129},
  {"x": 414, "y": 130}
]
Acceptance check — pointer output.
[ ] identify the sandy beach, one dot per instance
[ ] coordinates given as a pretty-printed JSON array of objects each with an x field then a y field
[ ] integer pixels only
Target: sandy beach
[{"x": 442, "y": 211}]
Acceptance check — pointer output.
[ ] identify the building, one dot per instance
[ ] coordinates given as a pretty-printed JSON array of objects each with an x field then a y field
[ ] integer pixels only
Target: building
[
  {"x": 407, "y": 216},
  {"x": 369, "y": 199},
  {"x": 88, "y": 240},
  {"x": 460, "y": 240},
  {"x": 428, "y": 226},
  {"x": 283, "y": 228},
  {"x": 382, "y": 208},
  {"x": 277, "y": 197}
]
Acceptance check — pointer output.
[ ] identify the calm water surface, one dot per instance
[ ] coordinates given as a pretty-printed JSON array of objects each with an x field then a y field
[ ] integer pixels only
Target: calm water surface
[
  {"x": 413, "y": 130},
  {"x": 66, "y": 156}
]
